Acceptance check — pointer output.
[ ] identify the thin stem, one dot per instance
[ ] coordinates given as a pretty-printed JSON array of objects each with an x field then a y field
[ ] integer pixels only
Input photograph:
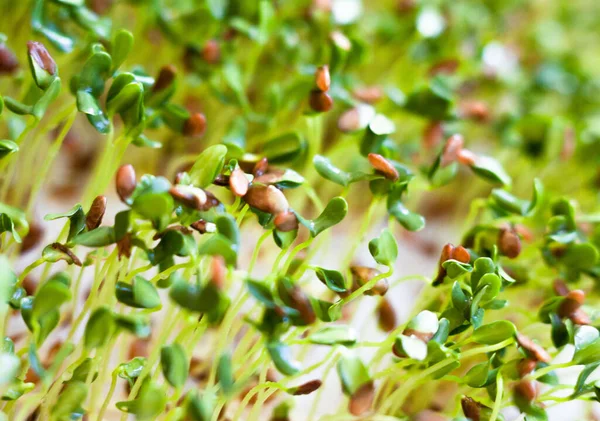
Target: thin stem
[{"x": 498, "y": 401}]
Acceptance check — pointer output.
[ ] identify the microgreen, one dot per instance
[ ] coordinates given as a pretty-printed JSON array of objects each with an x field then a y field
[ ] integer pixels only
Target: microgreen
[{"x": 280, "y": 168}]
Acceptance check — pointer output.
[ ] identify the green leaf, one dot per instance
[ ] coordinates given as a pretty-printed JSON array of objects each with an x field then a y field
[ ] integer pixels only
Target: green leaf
[
  {"x": 409, "y": 220},
  {"x": 49, "y": 296},
  {"x": 127, "y": 98},
  {"x": 334, "y": 212},
  {"x": 7, "y": 225},
  {"x": 99, "y": 328},
  {"x": 353, "y": 373},
  {"x": 284, "y": 148},
  {"x": 375, "y": 134},
  {"x": 332, "y": 278},
  {"x": 140, "y": 294},
  {"x": 384, "y": 248},
  {"x": 433, "y": 102},
  {"x": 330, "y": 172},
  {"x": 150, "y": 404},
  {"x": 208, "y": 165},
  {"x": 70, "y": 400},
  {"x": 478, "y": 374},
  {"x": 225, "y": 374},
  {"x": 219, "y": 245},
  {"x": 121, "y": 47},
  {"x": 155, "y": 207},
  {"x": 76, "y": 217},
  {"x": 459, "y": 299},
  {"x": 283, "y": 359},
  {"x": 200, "y": 405},
  {"x": 334, "y": 335},
  {"x": 588, "y": 354},
  {"x": 494, "y": 284},
  {"x": 7, "y": 147},
  {"x": 93, "y": 75},
  {"x": 40, "y": 107},
  {"x": 490, "y": 169},
  {"x": 99, "y": 237},
  {"x": 580, "y": 256},
  {"x": 131, "y": 370},
  {"x": 583, "y": 376},
  {"x": 175, "y": 364},
  {"x": 495, "y": 332}
]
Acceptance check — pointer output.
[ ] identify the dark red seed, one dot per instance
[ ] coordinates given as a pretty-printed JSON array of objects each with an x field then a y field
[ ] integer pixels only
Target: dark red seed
[
  {"x": 362, "y": 400},
  {"x": 571, "y": 303},
  {"x": 534, "y": 350},
  {"x": 211, "y": 52},
  {"x": 384, "y": 166},
  {"x": 165, "y": 78},
  {"x": 509, "y": 243},
  {"x": 125, "y": 181},
  {"x": 195, "y": 125},
  {"x": 42, "y": 57},
  {"x": 261, "y": 167},
  {"x": 386, "y": 316},
  {"x": 307, "y": 388},
  {"x": 8, "y": 60},
  {"x": 286, "y": 221},
  {"x": 93, "y": 219},
  {"x": 526, "y": 389},
  {"x": 320, "y": 101},
  {"x": 471, "y": 408}
]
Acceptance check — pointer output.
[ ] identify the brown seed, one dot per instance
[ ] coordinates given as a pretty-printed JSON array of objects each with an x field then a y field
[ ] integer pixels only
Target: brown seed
[
  {"x": 272, "y": 176},
  {"x": 322, "y": 78},
  {"x": 349, "y": 121},
  {"x": 93, "y": 219},
  {"x": 211, "y": 201},
  {"x": 238, "y": 183},
  {"x": 446, "y": 252},
  {"x": 30, "y": 285},
  {"x": 384, "y": 166},
  {"x": 320, "y": 101},
  {"x": 509, "y": 243},
  {"x": 64, "y": 249},
  {"x": 534, "y": 350},
  {"x": 433, "y": 134},
  {"x": 471, "y": 408},
  {"x": 179, "y": 228},
  {"x": 560, "y": 287},
  {"x": 8, "y": 60},
  {"x": 453, "y": 146},
  {"x": 300, "y": 302},
  {"x": 363, "y": 274},
  {"x": 386, "y": 316},
  {"x": 125, "y": 181},
  {"x": 526, "y": 389},
  {"x": 362, "y": 400},
  {"x": 466, "y": 157},
  {"x": 286, "y": 221},
  {"x": 218, "y": 271},
  {"x": 475, "y": 110},
  {"x": 165, "y": 78},
  {"x": 42, "y": 57},
  {"x": 190, "y": 196},
  {"x": 139, "y": 348},
  {"x": 195, "y": 125},
  {"x": 573, "y": 300},
  {"x": 526, "y": 366},
  {"x": 124, "y": 246},
  {"x": 221, "y": 180},
  {"x": 203, "y": 227},
  {"x": 444, "y": 67},
  {"x": 267, "y": 199},
  {"x": 33, "y": 237},
  {"x": 368, "y": 94},
  {"x": 100, "y": 6},
  {"x": 579, "y": 317},
  {"x": 211, "y": 52},
  {"x": 461, "y": 254},
  {"x": 261, "y": 167},
  {"x": 306, "y": 388}
]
